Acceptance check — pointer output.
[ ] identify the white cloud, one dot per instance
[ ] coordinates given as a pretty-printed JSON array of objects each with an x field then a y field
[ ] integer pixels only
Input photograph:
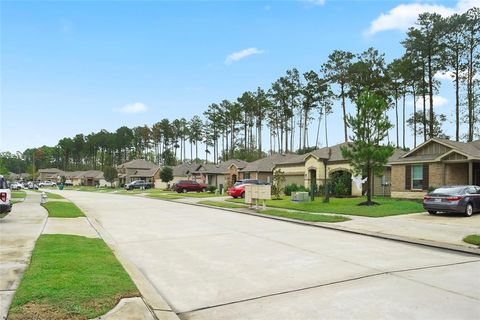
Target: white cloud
[
  {"x": 136, "y": 107},
  {"x": 449, "y": 75},
  {"x": 438, "y": 101},
  {"x": 404, "y": 16},
  {"x": 315, "y": 2},
  {"x": 231, "y": 58}
]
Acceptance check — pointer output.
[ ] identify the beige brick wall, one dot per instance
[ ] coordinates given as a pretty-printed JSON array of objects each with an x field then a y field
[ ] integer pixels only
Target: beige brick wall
[
  {"x": 398, "y": 178},
  {"x": 408, "y": 194},
  {"x": 435, "y": 174},
  {"x": 456, "y": 173}
]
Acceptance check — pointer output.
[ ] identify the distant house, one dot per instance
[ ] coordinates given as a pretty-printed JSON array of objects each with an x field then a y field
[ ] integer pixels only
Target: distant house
[
  {"x": 224, "y": 173},
  {"x": 51, "y": 174},
  {"x": 93, "y": 178},
  {"x": 139, "y": 169},
  {"x": 18, "y": 176},
  {"x": 262, "y": 169},
  {"x": 434, "y": 163},
  {"x": 184, "y": 171}
]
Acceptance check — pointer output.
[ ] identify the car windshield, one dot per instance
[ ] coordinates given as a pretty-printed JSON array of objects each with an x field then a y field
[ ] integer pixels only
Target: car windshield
[
  {"x": 449, "y": 191},
  {"x": 3, "y": 184},
  {"x": 238, "y": 183}
]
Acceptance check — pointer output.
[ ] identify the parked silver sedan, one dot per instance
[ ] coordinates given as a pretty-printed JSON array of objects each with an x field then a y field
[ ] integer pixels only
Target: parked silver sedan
[{"x": 454, "y": 199}]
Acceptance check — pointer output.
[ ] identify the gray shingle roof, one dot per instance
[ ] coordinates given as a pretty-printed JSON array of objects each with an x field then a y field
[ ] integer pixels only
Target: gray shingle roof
[
  {"x": 138, "y": 164},
  {"x": 268, "y": 163},
  {"x": 182, "y": 169},
  {"x": 145, "y": 173},
  {"x": 222, "y": 167}
]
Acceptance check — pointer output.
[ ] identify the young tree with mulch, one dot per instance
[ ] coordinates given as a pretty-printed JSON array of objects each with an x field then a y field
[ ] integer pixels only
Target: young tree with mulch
[{"x": 370, "y": 126}]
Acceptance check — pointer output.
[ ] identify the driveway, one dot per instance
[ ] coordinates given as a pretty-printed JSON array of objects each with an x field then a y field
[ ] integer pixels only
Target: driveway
[{"x": 214, "y": 264}]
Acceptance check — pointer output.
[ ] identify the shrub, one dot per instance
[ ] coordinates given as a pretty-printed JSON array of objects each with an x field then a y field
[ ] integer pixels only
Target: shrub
[
  {"x": 212, "y": 189},
  {"x": 294, "y": 188}
]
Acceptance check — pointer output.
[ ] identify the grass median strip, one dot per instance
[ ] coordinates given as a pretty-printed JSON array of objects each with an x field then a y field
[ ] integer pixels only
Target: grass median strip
[
  {"x": 387, "y": 207},
  {"x": 164, "y": 196},
  {"x": 304, "y": 216},
  {"x": 18, "y": 194},
  {"x": 222, "y": 204},
  {"x": 473, "y": 239},
  {"x": 60, "y": 209},
  {"x": 51, "y": 195},
  {"x": 70, "y": 277}
]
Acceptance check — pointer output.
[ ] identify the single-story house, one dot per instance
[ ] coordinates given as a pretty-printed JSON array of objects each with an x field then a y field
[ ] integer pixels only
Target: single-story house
[
  {"x": 18, "y": 176},
  {"x": 184, "y": 171},
  {"x": 138, "y": 169},
  {"x": 51, "y": 174},
  {"x": 93, "y": 178},
  {"x": 435, "y": 163},
  {"x": 224, "y": 173},
  {"x": 262, "y": 169},
  {"x": 326, "y": 163}
]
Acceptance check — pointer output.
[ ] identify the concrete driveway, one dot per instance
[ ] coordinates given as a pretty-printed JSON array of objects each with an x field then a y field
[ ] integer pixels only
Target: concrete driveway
[{"x": 214, "y": 264}]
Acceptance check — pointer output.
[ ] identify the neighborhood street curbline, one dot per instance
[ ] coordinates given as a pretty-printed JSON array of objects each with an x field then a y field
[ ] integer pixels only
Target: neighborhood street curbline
[{"x": 244, "y": 160}]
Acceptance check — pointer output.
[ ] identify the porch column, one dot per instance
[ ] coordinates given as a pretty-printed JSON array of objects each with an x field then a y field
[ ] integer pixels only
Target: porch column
[
  {"x": 470, "y": 172},
  {"x": 444, "y": 173}
]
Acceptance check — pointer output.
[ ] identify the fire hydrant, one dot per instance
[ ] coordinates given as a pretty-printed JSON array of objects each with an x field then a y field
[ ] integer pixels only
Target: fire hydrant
[{"x": 43, "y": 198}]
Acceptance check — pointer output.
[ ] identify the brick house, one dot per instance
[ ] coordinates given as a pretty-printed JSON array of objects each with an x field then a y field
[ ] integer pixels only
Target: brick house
[
  {"x": 139, "y": 169},
  {"x": 224, "y": 173},
  {"x": 435, "y": 163}
]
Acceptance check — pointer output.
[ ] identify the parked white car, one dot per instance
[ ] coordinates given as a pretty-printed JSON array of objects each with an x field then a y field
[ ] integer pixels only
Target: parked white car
[
  {"x": 16, "y": 186},
  {"x": 47, "y": 184},
  {"x": 5, "y": 198}
]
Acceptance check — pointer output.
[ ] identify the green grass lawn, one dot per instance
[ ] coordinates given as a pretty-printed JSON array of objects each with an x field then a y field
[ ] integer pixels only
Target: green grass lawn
[
  {"x": 199, "y": 195},
  {"x": 70, "y": 277},
  {"x": 387, "y": 207},
  {"x": 222, "y": 204},
  {"x": 60, "y": 209},
  {"x": 18, "y": 194},
  {"x": 305, "y": 216},
  {"x": 165, "y": 196},
  {"x": 473, "y": 239},
  {"x": 54, "y": 196}
]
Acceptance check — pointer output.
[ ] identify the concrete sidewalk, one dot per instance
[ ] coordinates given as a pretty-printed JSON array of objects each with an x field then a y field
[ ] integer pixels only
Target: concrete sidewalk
[{"x": 18, "y": 233}]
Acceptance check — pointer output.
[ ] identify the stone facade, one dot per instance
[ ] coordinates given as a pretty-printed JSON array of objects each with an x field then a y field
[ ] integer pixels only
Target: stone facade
[{"x": 435, "y": 175}]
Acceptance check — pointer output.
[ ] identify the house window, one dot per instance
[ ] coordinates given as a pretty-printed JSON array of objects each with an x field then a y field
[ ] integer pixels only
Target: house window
[
  {"x": 417, "y": 177},
  {"x": 246, "y": 175}
]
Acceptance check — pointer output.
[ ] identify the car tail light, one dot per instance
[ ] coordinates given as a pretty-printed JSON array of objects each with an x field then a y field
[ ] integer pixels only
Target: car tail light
[
  {"x": 3, "y": 196},
  {"x": 454, "y": 198},
  {"x": 427, "y": 198}
]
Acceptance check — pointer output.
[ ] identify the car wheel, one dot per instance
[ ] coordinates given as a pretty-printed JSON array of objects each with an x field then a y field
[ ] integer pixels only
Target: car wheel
[
  {"x": 469, "y": 210},
  {"x": 204, "y": 190},
  {"x": 184, "y": 190},
  {"x": 432, "y": 212},
  {"x": 234, "y": 197},
  {"x": 242, "y": 195}
]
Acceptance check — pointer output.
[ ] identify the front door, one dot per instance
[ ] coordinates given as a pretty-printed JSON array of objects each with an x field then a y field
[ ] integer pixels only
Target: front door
[{"x": 476, "y": 177}]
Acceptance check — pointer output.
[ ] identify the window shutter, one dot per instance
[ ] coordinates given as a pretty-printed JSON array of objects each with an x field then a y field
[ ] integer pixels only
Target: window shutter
[
  {"x": 408, "y": 177},
  {"x": 425, "y": 183}
]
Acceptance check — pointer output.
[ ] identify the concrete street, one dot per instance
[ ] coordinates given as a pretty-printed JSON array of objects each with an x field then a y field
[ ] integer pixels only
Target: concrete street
[{"x": 214, "y": 264}]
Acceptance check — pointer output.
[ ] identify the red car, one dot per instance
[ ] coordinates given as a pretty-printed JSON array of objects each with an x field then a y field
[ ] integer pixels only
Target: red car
[
  {"x": 238, "y": 189},
  {"x": 188, "y": 185}
]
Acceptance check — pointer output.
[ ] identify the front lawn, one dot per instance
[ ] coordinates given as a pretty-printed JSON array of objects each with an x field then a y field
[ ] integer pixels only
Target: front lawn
[
  {"x": 60, "y": 209},
  {"x": 70, "y": 277},
  {"x": 222, "y": 204},
  {"x": 303, "y": 216},
  {"x": 387, "y": 207},
  {"x": 473, "y": 239},
  {"x": 165, "y": 196}
]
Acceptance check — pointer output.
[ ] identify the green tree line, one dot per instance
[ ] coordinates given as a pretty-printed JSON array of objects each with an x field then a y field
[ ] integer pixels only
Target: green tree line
[{"x": 298, "y": 102}]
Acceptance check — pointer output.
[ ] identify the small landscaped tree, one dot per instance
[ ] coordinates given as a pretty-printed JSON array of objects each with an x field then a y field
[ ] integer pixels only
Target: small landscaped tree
[
  {"x": 370, "y": 126},
  {"x": 166, "y": 175},
  {"x": 110, "y": 174},
  {"x": 278, "y": 182}
]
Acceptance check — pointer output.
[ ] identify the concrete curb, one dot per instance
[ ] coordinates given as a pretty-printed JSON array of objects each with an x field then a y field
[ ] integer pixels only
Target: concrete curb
[
  {"x": 333, "y": 226},
  {"x": 152, "y": 298}
]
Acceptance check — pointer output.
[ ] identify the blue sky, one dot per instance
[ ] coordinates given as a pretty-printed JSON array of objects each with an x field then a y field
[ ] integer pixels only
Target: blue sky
[{"x": 78, "y": 67}]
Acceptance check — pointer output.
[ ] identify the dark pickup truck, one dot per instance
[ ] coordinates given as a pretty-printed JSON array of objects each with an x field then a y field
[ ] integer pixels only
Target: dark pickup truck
[{"x": 138, "y": 184}]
